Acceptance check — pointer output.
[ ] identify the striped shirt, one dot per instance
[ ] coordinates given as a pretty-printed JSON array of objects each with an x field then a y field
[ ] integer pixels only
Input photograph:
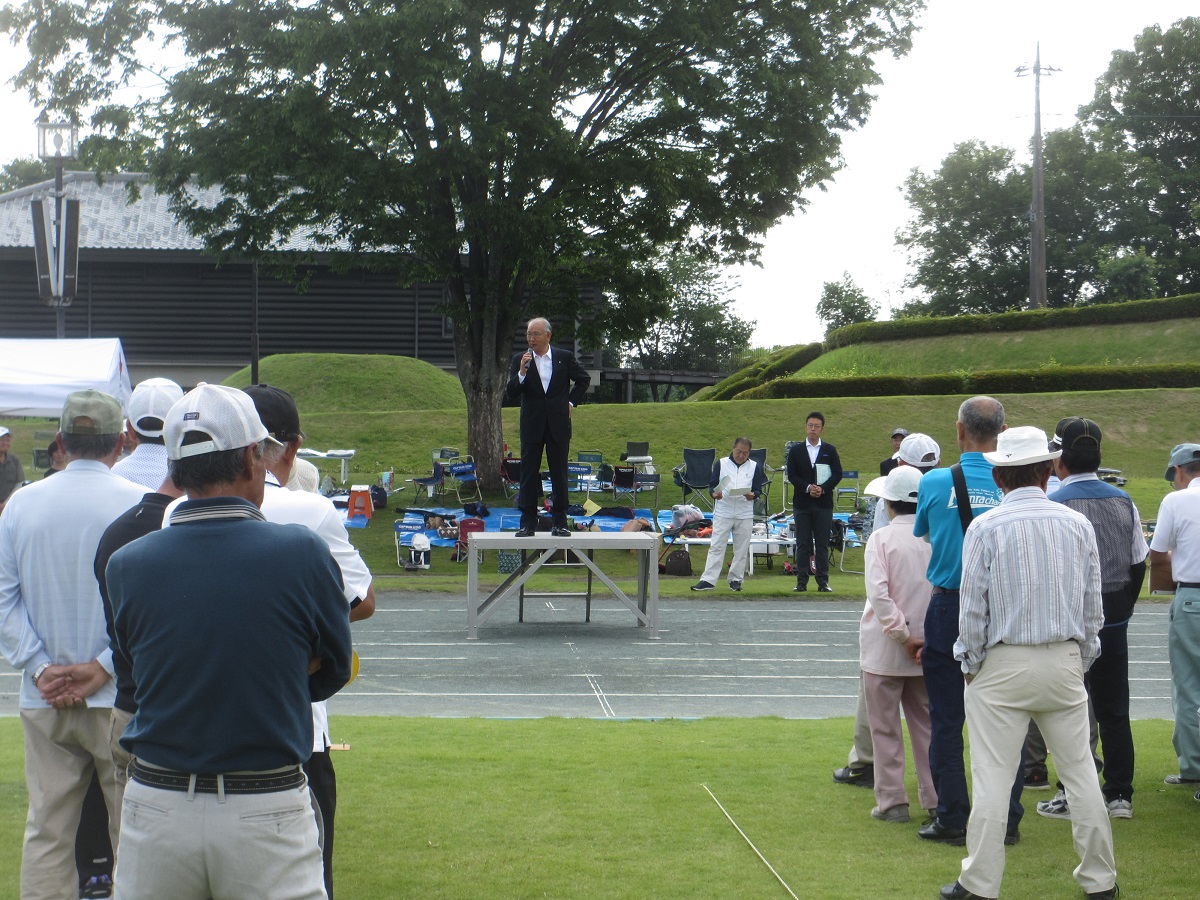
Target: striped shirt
[{"x": 1031, "y": 575}]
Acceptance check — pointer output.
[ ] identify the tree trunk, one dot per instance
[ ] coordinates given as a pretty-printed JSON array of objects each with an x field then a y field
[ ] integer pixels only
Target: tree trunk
[{"x": 485, "y": 431}]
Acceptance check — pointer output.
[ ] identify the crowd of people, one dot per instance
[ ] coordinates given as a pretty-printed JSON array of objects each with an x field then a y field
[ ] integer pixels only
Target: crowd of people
[
  {"x": 999, "y": 594},
  {"x": 180, "y": 629},
  {"x": 177, "y": 675}
]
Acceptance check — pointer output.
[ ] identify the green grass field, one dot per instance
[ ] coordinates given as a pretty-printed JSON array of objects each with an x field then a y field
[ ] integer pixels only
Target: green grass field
[{"x": 566, "y": 808}]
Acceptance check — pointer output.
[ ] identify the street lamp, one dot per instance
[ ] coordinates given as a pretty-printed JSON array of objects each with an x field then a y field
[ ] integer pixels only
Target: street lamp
[{"x": 58, "y": 141}]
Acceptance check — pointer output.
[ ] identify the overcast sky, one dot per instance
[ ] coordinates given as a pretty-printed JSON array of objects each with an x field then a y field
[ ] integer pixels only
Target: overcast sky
[{"x": 958, "y": 83}]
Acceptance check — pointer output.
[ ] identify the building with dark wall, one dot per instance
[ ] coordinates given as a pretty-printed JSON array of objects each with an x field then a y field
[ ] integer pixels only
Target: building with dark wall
[{"x": 144, "y": 279}]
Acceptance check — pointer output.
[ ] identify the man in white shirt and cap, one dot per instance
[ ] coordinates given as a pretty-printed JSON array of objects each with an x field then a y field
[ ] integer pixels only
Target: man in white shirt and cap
[{"x": 147, "y": 464}]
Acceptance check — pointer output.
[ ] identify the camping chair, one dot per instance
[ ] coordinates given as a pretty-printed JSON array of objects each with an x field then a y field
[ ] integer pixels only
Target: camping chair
[
  {"x": 445, "y": 454},
  {"x": 762, "y": 506},
  {"x": 648, "y": 481},
  {"x": 624, "y": 481},
  {"x": 787, "y": 485},
  {"x": 593, "y": 458},
  {"x": 434, "y": 483},
  {"x": 579, "y": 479},
  {"x": 466, "y": 481},
  {"x": 846, "y": 493},
  {"x": 637, "y": 453},
  {"x": 694, "y": 473},
  {"x": 845, "y": 536},
  {"x": 466, "y": 527},
  {"x": 510, "y": 476}
]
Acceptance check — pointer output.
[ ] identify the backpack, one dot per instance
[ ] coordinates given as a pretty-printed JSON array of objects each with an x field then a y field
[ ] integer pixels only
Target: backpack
[
  {"x": 379, "y": 496},
  {"x": 679, "y": 562}
]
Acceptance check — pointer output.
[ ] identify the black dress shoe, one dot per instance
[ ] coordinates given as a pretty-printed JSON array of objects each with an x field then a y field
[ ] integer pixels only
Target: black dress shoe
[
  {"x": 933, "y": 830},
  {"x": 824, "y": 589},
  {"x": 560, "y": 531},
  {"x": 525, "y": 531},
  {"x": 1012, "y": 838},
  {"x": 957, "y": 892},
  {"x": 800, "y": 589}
]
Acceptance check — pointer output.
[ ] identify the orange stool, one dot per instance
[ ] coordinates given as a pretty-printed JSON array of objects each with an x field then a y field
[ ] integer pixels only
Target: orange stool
[{"x": 360, "y": 501}]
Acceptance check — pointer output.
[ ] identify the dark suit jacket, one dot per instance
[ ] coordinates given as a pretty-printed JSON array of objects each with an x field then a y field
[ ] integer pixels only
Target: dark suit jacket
[
  {"x": 801, "y": 474},
  {"x": 542, "y": 409}
]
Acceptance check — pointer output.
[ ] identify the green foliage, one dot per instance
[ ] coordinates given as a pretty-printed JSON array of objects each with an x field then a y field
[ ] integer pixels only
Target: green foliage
[
  {"x": 781, "y": 362},
  {"x": 1145, "y": 104},
  {"x": 19, "y": 173},
  {"x": 697, "y": 332},
  {"x": 509, "y": 151},
  {"x": 1185, "y": 306},
  {"x": 844, "y": 303},
  {"x": 1127, "y": 276}
]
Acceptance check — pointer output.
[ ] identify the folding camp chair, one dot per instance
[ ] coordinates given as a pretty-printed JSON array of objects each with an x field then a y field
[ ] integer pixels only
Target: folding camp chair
[
  {"x": 580, "y": 479},
  {"x": 624, "y": 481},
  {"x": 466, "y": 482},
  {"x": 762, "y": 506},
  {"x": 648, "y": 481},
  {"x": 593, "y": 458},
  {"x": 510, "y": 476},
  {"x": 693, "y": 476},
  {"x": 466, "y": 527},
  {"x": 637, "y": 453},
  {"x": 845, "y": 496},
  {"x": 434, "y": 483}
]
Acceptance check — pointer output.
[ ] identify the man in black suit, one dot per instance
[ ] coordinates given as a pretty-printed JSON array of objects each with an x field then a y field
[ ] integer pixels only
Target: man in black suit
[
  {"x": 814, "y": 470},
  {"x": 548, "y": 382}
]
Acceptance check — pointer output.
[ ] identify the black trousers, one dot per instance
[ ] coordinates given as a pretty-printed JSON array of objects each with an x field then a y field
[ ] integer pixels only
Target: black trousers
[
  {"x": 93, "y": 849},
  {"x": 812, "y": 536},
  {"x": 556, "y": 453},
  {"x": 323, "y": 783}
]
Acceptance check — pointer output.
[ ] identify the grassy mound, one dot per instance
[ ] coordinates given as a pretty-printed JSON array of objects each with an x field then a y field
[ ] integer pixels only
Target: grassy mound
[{"x": 344, "y": 382}]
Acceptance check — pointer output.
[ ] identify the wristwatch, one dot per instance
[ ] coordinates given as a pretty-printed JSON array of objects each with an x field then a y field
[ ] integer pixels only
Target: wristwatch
[{"x": 39, "y": 671}]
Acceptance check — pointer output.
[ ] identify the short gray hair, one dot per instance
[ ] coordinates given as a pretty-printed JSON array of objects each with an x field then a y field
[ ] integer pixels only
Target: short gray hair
[{"x": 982, "y": 418}]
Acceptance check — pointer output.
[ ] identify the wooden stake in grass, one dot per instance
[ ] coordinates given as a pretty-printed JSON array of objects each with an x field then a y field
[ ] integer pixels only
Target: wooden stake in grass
[{"x": 778, "y": 878}]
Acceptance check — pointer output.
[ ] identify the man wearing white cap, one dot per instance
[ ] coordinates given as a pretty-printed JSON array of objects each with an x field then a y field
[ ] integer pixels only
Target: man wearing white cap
[
  {"x": 1175, "y": 546},
  {"x": 147, "y": 464},
  {"x": 233, "y": 626},
  {"x": 1030, "y": 614},
  {"x": 52, "y": 627},
  {"x": 12, "y": 475}
]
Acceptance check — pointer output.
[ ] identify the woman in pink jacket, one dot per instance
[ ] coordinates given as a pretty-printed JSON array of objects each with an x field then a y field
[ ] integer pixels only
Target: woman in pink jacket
[{"x": 890, "y": 637}]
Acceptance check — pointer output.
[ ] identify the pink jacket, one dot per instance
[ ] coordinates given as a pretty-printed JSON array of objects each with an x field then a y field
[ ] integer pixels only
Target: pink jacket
[{"x": 897, "y": 596}]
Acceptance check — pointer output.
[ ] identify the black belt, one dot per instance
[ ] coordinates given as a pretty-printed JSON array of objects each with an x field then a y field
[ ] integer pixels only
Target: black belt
[
  {"x": 264, "y": 783},
  {"x": 941, "y": 590},
  {"x": 1187, "y": 584}
]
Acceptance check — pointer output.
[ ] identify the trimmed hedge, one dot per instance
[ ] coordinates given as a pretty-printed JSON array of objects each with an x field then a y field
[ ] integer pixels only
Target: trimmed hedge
[
  {"x": 1182, "y": 307},
  {"x": 999, "y": 381},
  {"x": 777, "y": 365}
]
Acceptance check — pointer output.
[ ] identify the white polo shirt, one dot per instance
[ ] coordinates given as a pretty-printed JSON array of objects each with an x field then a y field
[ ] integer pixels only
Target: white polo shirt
[{"x": 1178, "y": 531}]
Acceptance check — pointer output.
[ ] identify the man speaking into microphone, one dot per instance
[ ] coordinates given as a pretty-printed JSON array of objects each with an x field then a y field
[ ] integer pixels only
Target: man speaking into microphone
[{"x": 548, "y": 382}]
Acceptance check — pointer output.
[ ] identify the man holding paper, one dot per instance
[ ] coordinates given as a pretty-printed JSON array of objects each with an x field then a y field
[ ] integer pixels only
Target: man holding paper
[
  {"x": 814, "y": 470},
  {"x": 736, "y": 482}
]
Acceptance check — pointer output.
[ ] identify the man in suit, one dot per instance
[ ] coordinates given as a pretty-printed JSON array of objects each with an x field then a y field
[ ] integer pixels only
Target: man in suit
[
  {"x": 548, "y": 382},
  {"x": 814, "y": 470}
]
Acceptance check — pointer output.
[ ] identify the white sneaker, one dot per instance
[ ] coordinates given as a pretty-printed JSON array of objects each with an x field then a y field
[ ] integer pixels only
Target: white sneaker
[
  {"x": 1119, "y": 809},
  {"x": 1056, "y": 808}
]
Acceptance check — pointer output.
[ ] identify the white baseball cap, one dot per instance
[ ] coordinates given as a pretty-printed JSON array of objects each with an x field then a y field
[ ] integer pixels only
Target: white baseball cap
[
  {"x": 898, "y": 485},
  {"x": 4, "y": 432},
  {"x": 915, "y": 447},
  {"x": 152, "y": 399},
  {"x": 225, "y": 415}
]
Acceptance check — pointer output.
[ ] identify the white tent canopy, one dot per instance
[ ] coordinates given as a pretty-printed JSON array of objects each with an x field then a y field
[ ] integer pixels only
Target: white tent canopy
[{"x": 37, "y": 375}]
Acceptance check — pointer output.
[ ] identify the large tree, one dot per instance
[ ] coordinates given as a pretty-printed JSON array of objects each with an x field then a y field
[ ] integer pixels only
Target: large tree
[
  {"x": 1147, "y": 101},
  {"x": 698, "y": 331},
  {"x": 509, "y": 149},
  {"x": 845, "y": 303}
]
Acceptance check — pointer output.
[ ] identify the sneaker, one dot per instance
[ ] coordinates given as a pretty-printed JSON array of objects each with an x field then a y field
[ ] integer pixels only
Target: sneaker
[
  {"x": 1179, "y": 779},
  {"x": 864, "y": 776},
  {"x": 1198, "y": 796},
  {"x": 824, "y": 589},
  {"x": 1056, "y": 808},
  {"x": 702, "y": 586},
  {"x": 1110, "y": 894},
  {"x": 1037, "y": 780},
  {"x": 735, "y": 585},
  {"x": 800, "y": 589},
  {"x": 97, "y": 886},
  {"x": 897, "y": 814},
  {"x": 1119, "y": 809}
]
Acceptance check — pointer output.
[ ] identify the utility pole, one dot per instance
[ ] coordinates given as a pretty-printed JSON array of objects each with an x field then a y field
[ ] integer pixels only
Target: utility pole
[{"x": 1037, "y": 207}]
